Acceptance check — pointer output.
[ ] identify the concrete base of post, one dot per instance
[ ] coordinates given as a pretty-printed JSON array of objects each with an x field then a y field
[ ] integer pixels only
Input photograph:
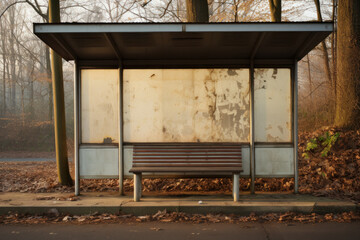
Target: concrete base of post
[{"x": 236, "y": 187}]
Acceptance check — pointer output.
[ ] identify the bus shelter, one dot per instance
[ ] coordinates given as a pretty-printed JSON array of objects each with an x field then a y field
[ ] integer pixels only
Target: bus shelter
[{"x": 193, "y": 83}]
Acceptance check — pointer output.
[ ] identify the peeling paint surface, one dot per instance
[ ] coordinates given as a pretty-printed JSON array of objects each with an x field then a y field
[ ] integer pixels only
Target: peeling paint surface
[
  {"x": 99, "y": 105},
  {"x": 186, "y": 105},
  {"x": 272, "y": 105}
]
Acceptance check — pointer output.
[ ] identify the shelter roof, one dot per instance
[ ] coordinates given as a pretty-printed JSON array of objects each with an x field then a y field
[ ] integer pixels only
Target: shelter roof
[{"x": 139, "y": 45}]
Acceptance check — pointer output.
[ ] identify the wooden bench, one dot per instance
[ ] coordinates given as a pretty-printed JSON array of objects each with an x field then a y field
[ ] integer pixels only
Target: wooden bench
[{"x": 182, "y": 158}]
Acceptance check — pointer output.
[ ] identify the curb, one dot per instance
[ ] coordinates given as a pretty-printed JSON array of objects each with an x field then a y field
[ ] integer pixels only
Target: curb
[{"x": 320, "y": 208}]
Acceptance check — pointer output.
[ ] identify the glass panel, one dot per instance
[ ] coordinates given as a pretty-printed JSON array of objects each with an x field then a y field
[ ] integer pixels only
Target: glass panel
[
  {"x": 274, "y": 161},
  {"x": 99, "y": 105},
  {"x": 186, "y": 105},
  {"x": 272, "y": 105}
]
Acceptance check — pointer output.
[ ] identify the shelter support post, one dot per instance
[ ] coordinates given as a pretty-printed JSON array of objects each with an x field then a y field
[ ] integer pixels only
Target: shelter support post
[
  {"x": 137, "y": 187},
  {"x": 76, "y": 126},
  {"x": 252, "y": 130},
  {"x": 295, "y": 127},
  {"x": 120, "y": 133},
  {"x": 236, "y": 187}
]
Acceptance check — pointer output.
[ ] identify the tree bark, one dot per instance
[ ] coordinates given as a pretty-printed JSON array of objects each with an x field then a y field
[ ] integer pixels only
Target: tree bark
[
  {"x": 236, "y": 15},
  {"x": 197, "y": 11},
  {"x": 333, "y": 47},
  {"x": 12, "y": 61},
  {"x": 59, "y": 106},
  {"x": 32, "y": 109},
  {"x": 324, "y": 47},
  {"x": 348, "y": 65},
  {"x": 3, "y": 35},
  {"x": 310, "y": 79},
  {"x": 48, "y": 74},
  {"x": 326, "y": 64},
  {"x": 275, "y": 10},
  {"x": 22, "y": 88}
]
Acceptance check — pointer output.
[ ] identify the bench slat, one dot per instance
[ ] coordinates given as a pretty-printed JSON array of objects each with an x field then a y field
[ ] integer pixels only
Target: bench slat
[
  {"x": 185, "y": 169},
  {"x": 170, "y": 165},
  {"x": 179, "y": 161},
  {"x": 187, "y": 158},
  {"x": 185, "y": 153}
]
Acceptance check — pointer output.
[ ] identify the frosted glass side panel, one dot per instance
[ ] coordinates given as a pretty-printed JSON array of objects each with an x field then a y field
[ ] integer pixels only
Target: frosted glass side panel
[
  {"x": 274, "y": 161},
  {"x": 186, "y": 105},
  {"x": 99, "y": 105},
  {"x": 272, "y": 105},
  {"x": 99, "y": 162}
]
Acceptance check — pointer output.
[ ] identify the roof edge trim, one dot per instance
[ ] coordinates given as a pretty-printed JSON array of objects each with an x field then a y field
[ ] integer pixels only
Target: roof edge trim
[{"x": 143, "y": 28}]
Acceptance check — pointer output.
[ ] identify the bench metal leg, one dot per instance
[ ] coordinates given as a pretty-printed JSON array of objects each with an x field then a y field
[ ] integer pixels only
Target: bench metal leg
[
  {"x": 236, "y": 187},
  {"x": 137, "y": 187}
]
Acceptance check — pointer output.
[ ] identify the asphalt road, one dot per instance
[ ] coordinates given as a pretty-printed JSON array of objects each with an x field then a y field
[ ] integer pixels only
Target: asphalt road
[{"x": 174, "y": 231}]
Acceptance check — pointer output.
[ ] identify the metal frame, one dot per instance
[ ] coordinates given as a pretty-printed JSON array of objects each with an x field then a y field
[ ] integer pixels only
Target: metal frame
[
  {"x": 252, "y": 130},
  {"x": 76, "y": 126},
  {"x": 252, "y": 143},
  {"x": 186, "y": 64},
  {"x": 121, "y": 125},
  {"x": 295, "y": 126}
]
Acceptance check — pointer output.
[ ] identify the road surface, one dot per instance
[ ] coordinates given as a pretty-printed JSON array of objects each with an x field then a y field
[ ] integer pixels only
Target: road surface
[{"x": 174, "y": 231}]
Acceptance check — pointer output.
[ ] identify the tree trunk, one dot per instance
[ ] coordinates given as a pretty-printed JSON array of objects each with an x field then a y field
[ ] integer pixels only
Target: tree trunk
[
  {"x": 324, "y": 47},
  {"x": 275, "y": 10},
  {"x": 3, "y": 35},
  {"x": 197, "y": 11},
  {"x": 309, "y": 76},
  {"x": 333, "y": 48},
  {"x": 348, "y": 64},
  {"x": 22, "y": 105},
  {"x": 48, "y": 74},
  {"x": 12, "y": 61},
  {"x": 59, "y": 106},
  {"x": 32, "y": 109}
]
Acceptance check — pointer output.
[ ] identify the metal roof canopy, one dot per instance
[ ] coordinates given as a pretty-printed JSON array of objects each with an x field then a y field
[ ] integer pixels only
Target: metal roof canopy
[{"x": 166, "y": 45}]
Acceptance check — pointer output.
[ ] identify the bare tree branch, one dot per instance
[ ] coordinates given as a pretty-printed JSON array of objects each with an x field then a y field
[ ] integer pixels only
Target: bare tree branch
[
  {"x": 37, "y": 9},
  {"x": 10, "y": 5},
  {"x": 165, "y": 9}
]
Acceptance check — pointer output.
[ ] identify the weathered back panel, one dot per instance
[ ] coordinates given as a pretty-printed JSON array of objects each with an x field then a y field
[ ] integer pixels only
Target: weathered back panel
[
  {"x": 99, "y": 105},
  {"x": 186, "y": 105},
  {"x": 272, "y": 104}
]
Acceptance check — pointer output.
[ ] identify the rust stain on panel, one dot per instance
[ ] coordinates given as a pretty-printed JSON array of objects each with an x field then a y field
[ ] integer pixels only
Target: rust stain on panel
[{"x": 108, "y": 140}]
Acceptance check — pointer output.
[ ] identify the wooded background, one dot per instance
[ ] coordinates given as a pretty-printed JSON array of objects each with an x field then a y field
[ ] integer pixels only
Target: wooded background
[{"x": 26, "y": 107}]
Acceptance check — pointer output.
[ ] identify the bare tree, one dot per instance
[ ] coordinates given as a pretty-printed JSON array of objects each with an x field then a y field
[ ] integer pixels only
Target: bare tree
[
  {"x": 348, "y": 64},
  {"x": 324, "y": 47},
  {"x": 59, "y": 105},
  {"x": 4, "y": 52},
  {"x": 275, "y": 9},
  {"x": 197, "y": 11}
]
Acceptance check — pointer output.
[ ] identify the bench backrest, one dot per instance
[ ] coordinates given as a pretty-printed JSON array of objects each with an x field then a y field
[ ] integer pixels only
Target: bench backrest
[{"x": 187, "y": 155}]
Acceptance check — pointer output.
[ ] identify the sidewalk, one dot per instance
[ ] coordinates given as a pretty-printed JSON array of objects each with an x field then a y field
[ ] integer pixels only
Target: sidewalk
[{"x": 106, "y": 202}]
